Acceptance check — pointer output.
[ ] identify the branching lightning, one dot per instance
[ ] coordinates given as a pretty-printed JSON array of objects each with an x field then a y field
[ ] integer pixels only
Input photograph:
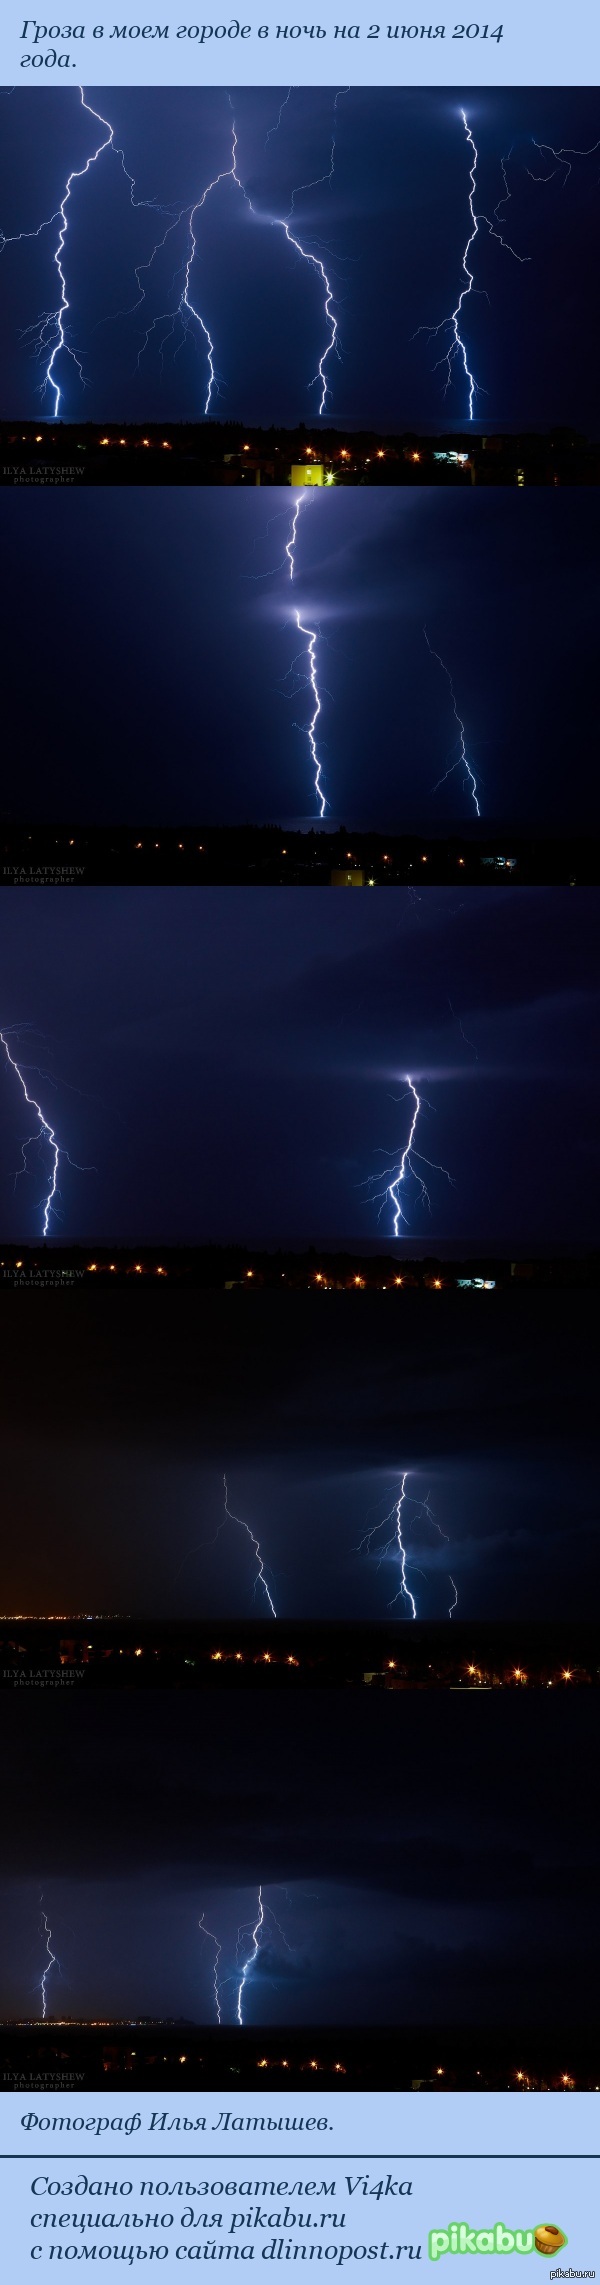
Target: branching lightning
[
  {"x": 256, "y": 1934},
  {"x": 563, "y": 158},
  {"x": 462, "y": 761},
  {"x": 290, "y": 545},
  {"x": 250, "y": 1941},
  {"x": 310, "y": 732},
  {"x": 250, "y": 1962},
  {"x": 260, "y": 1580},
  {"x": 312, "y": 635},
  {"x": 405, "y": 1167},
  {"x": 277, "y": 122},
  {"x": 318, "y": 180},
  {"x": 456, "y": 352},
  {"x": 394, "y": 1544},
  {"x": 52, "y": 1961},
  {"x": 44, "y": 1139},
  {"x": 218, "y": 1949},
  {"x": 308, "y": 656},
  {"x": 185, "y": 309},
  {"x": 50, "y": 332}
]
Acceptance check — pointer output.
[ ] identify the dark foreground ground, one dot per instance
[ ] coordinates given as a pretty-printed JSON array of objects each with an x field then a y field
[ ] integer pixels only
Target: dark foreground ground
[
  {"x": 185, "y": 2056},
  {"x": 280, "y": 856},
  {"x": 219, "y": 452},
  {"x": 75, "y": 1653}
]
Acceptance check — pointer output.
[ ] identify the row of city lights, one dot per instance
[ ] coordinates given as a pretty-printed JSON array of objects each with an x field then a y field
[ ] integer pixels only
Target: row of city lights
[
  {"x": 350, "y": 855},
  {"x": 524, "y": 2079},
  {"x": 266, "y": 1658},
  {"x": 150, "y": 443},
  {"x": 199, "y": 849},
  {"x": 142, "y": 1269},
  {"x": 138, "y": 1269}
]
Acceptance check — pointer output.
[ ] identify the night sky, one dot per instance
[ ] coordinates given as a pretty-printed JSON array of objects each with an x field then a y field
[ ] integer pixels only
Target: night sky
[
  {"x": 231, "y": 1065},
  {"x": 313, "y": 1415},
  {"x": 390, "y": 226},
  {"x": 201, "y": 717},
  {"x": 420, "y": 1871}
]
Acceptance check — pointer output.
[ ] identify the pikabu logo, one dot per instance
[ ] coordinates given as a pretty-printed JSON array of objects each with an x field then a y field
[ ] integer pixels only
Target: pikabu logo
[{"x": 459, "y": 2238}]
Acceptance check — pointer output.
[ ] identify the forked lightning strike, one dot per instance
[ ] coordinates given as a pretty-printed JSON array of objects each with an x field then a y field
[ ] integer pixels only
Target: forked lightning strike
[
  {"x": 290, "y": 545},
  {"x": 462, "y": 761},
  {"x": 186, "y": 309},
  {"x": 250, "y": 1962},
  {"x": 51, "y": 1958},
  {"x": 563, "y": 158},
  {"x": 250, "y": 1939},
  {"x": 406, "y": 1167},
  {"x": 50, "y": 331},
  {"x": 43, "y": 1138},
  {"x": 317, "y": 181},
  {"x": 457, "y": 348},
  {"x": 260, "y": 1580},
  {"x": 264, "y": 1912},
  {"x": 394, "y": 1544},
  {"x": 218, "y": 1949},
  {"x": 312, "y": 634}
]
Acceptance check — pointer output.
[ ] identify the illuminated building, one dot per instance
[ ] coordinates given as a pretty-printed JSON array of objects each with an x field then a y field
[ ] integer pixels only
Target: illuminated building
[{"x": 307, "y": 472}]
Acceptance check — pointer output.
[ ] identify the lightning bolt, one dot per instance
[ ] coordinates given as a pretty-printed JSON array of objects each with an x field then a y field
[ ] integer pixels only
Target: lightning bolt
[
  {"x": 456, "y": 352},
  {"x": 406, "y": 1166},
  {"x": 218, "y": 1949},
  {"x": 318, "y": 180},
  {"x": 51, "y": 1957},
  {"x": 563, "y": 159},
  {"x": 260, "y": 1580},
  {"x": 277, "y": 122},
  {"x": 394, "y": 1544},
  {"x": 290, "y": 545},
  {"x": 186, "y": 309},
  {"x": 249, "y": 1943},
  {"x": 470, "y": 1043},
  {"x": 51, "y": 331},
  {"x": 44, "y": 1138},
  {"x": 462, "y": 761},
  {"x": 320, "y": 377},
  {"x": 312, "y": 634},
  {"x": 243, "y": 1970},
  {"x": 264, "y": 1912},
  {"x": 250, "y": 1962}
]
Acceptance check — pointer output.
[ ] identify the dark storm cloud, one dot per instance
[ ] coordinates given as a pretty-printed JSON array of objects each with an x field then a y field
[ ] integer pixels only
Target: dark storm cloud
[
  {"x": 531, "y": 970},
  {"x": 278, "y": 1382},
  {"x": 383, "y": 1796}
]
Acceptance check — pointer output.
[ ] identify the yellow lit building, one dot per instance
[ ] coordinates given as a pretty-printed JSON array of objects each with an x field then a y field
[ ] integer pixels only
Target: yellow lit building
[{"x": 307, "y": 472}]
